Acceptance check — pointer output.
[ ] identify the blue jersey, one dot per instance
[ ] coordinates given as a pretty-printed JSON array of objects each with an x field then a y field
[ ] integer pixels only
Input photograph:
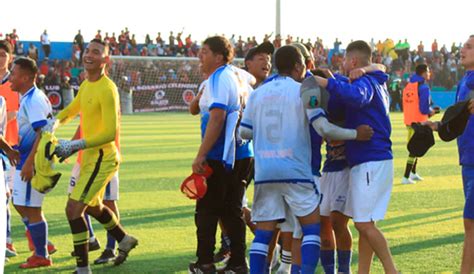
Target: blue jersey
[
  {"x": 282, "y": 145},
  {"x": 367, "y": 101},
  {"x": 466, "y": 140},
  {"x": 335, "y": 150},
  {"x": 33, "y": 113},
  {"x": 222, "y": 92},
  {"x": 423, "y": 94}
]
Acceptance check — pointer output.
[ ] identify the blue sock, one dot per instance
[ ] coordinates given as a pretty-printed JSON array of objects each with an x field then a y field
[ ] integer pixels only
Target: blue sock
[
  {"x": 344, "y": 261},
  {"x": 328, "y": 259},
  {"x": 259, "y": 251},
  {"x": 39, "y": 234},
  {"x": 310, "y": 248},
  {"x": 295, "y": 269},
  {"x": 89, "y": 226},
  {"x": 9, "y": 228},
  {"x": 110, "y": 241},
  {"x": 267, "y": 268}
]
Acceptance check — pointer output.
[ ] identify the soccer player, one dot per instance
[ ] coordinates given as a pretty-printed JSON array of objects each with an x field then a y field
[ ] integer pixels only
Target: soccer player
[
  {"x": 11, "y": 133},
  {"x": 35, "y": 109},
  {"x": 416, "y": 109},
  {"x": 258, "y": 61},
  {"x": 371, "y": 163},
  {"x": 220, "y": 106},
  {"x": 97, "y": 102},
  {"x": 466, "y": 154},
  {"x": 284, "y": 184},
  {"x": 109, "y": 200}
]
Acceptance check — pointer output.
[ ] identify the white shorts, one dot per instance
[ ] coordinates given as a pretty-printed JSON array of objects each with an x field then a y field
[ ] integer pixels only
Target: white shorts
[
  {"x": 24, "y": 194},
  {"x": 335, "y": 189},
  {"x": 9, "y": 175},
  {"x": 291, "y": 224},
  {"x": 273, "y": 201},
  {"x": 111, "y": 190},
  {"x": 370, "y": 187}
]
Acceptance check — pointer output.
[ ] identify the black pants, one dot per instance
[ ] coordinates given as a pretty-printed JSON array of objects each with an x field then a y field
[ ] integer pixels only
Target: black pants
[
  {"x": 223, "y": 200},
  {"x": 47, "y": 50}
]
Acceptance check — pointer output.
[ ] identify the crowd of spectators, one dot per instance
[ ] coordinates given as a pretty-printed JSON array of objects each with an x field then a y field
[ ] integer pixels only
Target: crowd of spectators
[{"x": 400, "y": 58}]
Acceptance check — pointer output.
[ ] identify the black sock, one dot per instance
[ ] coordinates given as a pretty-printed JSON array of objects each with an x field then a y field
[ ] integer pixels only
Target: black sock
[
  {"x": 80, "y": 236},
  {"x": 409, "y": 166},
  {"x": 414, "y": 166},
  {"x": 111, "y": 224}
]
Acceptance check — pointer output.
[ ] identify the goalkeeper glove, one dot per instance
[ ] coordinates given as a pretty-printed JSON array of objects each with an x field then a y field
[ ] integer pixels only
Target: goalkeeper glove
[{"x": 66, "y": 148}]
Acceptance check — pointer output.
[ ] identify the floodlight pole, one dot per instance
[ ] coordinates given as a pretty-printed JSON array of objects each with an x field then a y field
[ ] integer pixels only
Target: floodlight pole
[{"x": 278, "y": 18}]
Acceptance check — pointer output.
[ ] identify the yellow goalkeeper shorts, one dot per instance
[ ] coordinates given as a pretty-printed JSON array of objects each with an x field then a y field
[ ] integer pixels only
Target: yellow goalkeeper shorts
[{"x": 97, "y": 169}]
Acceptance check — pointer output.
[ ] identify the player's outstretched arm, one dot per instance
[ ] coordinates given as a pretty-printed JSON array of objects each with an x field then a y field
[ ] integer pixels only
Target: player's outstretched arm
[
  {"x": 359, "y": 72},
  {"x": 70, "y": 112},
  {"x": 330, "y": 131}
]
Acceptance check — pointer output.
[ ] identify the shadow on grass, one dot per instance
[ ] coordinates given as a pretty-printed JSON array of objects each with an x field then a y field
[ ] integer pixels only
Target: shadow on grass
[
  {"x": 129, "y": 218},
  {"x": 145, "y": 263},
  {"x": 400, "y": 221}
]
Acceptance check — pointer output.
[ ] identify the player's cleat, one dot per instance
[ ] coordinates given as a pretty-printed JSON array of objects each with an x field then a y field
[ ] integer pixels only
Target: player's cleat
[
  {"x": 276, "y": 256},
  {"x": 195, "y": 268},
  {"x": 36, "y": 261},
  {"x": 408, "y": 181},
  {"x": 51, "y": 248},
  {"x": 241, "y": 269},
  {"x": 128, "y": 243},
  {"x": 107, "y": 255},
  {"x": 10, "y": 251},
  {"x": 93, "y": 246},
  {"x": 415, "y": 177}
]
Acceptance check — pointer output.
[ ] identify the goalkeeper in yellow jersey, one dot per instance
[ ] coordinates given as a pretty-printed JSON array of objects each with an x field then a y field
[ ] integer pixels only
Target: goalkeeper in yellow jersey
[{"x": 98, "y": 103}]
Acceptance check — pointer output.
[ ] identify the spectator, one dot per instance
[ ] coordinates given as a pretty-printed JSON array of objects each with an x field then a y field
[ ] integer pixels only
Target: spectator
[
  {"x": 380, "y": 47},
  {"x": 171, "y": 44},
  {"x": 14, "y": 40},
  {"x": 158, "y": 39},
  {"x": 79, "y": 41},
  {"x": 33, "y": 52},
  {"x": 434, "y": 47},
  {"x": 107, "y": 38},
  {"x": 337, "y": 45},
  {"x": 98, "y": 35},
  {"x": 421, "y": 49},
  {"x": 147, "y": 39},
  {"x": 45, "y": 44},
  {"x": 20, "y": 51}
]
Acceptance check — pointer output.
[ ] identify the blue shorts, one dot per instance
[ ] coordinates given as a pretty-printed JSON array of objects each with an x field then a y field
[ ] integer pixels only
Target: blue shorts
[{"x": 468, "y": 183}]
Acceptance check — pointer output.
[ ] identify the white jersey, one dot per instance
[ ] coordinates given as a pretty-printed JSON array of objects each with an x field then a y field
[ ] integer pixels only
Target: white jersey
[
  {"x": 281, "y": 137},
  {"x": 220, "y": 91},
  {"x": 246, "y": 81}
]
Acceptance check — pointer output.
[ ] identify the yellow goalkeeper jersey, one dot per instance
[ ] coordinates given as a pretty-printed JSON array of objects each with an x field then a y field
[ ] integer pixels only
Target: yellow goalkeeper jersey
[{"x": 99, "y": 105}]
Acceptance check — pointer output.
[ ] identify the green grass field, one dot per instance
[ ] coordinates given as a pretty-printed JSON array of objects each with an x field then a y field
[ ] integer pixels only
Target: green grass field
[{"x": 423, "y": 225}]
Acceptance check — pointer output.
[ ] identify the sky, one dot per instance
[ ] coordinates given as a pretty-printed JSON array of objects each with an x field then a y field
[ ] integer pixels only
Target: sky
[{"x": 416, "y": 20}]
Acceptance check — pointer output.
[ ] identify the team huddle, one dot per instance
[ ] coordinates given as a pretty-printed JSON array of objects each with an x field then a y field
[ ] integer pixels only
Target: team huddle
[{"x": 271, "y": 129}]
